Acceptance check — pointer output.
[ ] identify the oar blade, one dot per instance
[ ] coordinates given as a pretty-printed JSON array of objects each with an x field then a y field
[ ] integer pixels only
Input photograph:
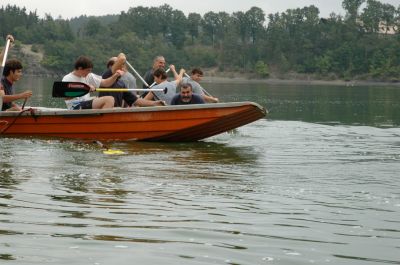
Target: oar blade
[{"x": 69, "y": 89}]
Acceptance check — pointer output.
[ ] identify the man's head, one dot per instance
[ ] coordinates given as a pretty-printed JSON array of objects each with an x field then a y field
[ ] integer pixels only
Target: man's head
[
  {"x": 83, "y": 66},
  {"x": 158, "y": 62},
  {"x": 117, "y": 63},
  {"x": 186, "y": 93},
  {"x": 197, "y": 74},
  {"x": 111, "y": 62},
  {"x": 13, "y": 70},
  {"x": 160, "y": 75}
]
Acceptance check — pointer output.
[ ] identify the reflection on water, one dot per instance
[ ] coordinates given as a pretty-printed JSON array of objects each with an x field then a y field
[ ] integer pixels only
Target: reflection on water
[
  {"x": 271, "y": 192},
  {"x": 201, "y": 152}
]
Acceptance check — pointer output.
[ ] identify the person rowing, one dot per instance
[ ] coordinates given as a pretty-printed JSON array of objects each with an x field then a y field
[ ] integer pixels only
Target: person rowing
[
  {"x": 117, "y": 63},
  {"x": 160, "y": 77},
  {"x": 83, "y": 73},
  {"x": 11, "y": 72},
  {"x": 194, "y": 80},
  {"x": 158, "y": 62}
]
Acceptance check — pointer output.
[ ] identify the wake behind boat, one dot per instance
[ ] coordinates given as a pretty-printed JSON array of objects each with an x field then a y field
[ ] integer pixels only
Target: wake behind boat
[{"x": 168, "y": 123}]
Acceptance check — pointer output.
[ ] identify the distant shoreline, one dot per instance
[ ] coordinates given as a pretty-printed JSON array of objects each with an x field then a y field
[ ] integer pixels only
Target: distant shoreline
[
  {"x": 212, "y": 75},
  {"x": 275, "y": 81},
  {"x": 269, "y": 81}
]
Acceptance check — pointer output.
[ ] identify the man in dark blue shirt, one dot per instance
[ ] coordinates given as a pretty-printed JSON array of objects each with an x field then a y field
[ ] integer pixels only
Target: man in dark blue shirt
[
  {"x": 12, "y": 73},
  {"x": 186, "y": 96}
]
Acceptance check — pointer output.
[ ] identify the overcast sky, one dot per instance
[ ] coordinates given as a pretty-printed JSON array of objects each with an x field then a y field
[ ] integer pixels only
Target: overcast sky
[{"x": 74, "y": 8}]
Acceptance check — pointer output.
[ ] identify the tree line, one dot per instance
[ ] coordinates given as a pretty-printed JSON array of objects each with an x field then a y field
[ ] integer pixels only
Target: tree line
[{"x": 363, "y": 44}]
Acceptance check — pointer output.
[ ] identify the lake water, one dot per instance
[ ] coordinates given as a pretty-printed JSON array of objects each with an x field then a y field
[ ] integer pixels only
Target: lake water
[{"x": 316, "y": 182}]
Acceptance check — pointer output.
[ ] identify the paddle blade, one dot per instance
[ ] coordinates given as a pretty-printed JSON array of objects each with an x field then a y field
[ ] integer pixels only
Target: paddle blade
[{"x": 69, "y": 89}]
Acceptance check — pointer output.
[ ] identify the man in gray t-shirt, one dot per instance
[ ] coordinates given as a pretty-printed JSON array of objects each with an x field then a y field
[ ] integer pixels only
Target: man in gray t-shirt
[
  {"x": 196, "y": 88},
  {"x": 193, "y": 80},
  {"x": 160, "y": 77}
]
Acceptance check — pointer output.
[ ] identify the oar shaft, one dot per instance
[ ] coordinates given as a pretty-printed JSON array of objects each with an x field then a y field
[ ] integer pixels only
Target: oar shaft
[
  {"x": 4, "y": 57},
  {"x": 127, "y": 89},
  {"x": 5, "y": 53},
  {"x": 137, "y": 74}
]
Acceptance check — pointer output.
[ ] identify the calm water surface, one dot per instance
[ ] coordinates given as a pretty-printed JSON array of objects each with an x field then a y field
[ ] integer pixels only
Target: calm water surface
[{"x": 314, "y": 183}]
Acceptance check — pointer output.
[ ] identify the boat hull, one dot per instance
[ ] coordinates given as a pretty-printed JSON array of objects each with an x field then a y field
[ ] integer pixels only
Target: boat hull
[{"x": 169, "y": 123}]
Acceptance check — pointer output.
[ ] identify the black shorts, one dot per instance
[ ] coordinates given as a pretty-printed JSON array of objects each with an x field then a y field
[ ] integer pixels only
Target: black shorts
[{"x": 88, "y": 104}]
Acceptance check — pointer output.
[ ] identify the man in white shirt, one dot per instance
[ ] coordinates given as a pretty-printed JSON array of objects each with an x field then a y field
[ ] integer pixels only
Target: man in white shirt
[{"x": 82, "y": 73}]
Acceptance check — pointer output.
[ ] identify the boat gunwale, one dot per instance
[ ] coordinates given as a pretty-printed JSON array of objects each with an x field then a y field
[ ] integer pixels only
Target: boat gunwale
[{"x": 44, "y": 111}]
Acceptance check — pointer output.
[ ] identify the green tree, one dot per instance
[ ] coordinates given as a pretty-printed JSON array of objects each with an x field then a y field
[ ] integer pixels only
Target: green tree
[
  {"x": 193, "y": 25},
  {"x": 388, "y": 17},
  {"x": 163, "y": 15},
  {"x": 241, "y": 23},
  {"x": 372, "y": 16},
  {"x": 210, "y": 24},
  {"x": 261, "y": 69},
  {"x": 177, "y": 29},
  {"x": 93, "y": 27},
  {"x": 255, "y": 18},
  {"x": 352, "y": 7}
]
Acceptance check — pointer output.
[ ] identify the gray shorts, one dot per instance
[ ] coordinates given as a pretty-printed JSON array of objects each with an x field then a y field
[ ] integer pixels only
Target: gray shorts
[{"x": 88, "y": 104}]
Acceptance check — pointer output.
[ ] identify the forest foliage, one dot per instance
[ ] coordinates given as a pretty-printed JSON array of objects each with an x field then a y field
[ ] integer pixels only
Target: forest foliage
[{"x": 363, "y": 44}]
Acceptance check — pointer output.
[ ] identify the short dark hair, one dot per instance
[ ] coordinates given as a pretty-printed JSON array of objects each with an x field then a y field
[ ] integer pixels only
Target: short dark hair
[
  {"x": 197, "y": 71},
  {"x": 157, "y": 58},
  {"x": 83, "y": 62},
  {"x": 160, "y": 73},
  {"x": 187, "y": 85},
  {"x": 110, "y": 63},
  {"x": 11, "y": 65}
]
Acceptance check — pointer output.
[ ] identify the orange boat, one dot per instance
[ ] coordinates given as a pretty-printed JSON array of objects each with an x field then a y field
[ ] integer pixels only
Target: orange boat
[{"x": 167, "y": 123}]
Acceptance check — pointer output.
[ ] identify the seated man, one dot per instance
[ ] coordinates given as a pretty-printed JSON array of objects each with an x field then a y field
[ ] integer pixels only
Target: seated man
[
  {"x": 82, "y": 73},
  {"x": 113, "y": 65},
  {"x": 194, "y": 80},
  {"x": 11, "y": 74},
  {"x": 186, "y": 96},
  {"x": 160, "y": 77}
]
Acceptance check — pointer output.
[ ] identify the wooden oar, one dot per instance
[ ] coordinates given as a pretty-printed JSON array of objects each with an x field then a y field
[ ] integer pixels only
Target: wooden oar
[
  {"x": 136, "y": 73},
  {"x": 5, "y": 56},
  {"x": 78, "y": 89}
]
